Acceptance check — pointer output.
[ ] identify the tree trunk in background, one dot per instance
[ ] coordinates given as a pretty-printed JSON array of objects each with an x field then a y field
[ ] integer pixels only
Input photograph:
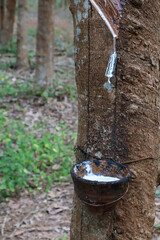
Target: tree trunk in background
[
  {"x": 9, "y": 20},
  {"x": 121, "y": 124},
  {"x": 22, "y": 27},
  {"x": 8, "y": 8},
  {"x": 2, "y": 13},
  {"x": 45, "y": 44}
]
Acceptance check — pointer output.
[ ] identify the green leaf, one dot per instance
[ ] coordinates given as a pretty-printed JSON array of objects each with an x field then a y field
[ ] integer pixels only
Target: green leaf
[
  {"x": 157, "y": 226},
  {"x": 3, "y": 186},
  {"x": 55, "y": 150},
  {"x": 45, "y": 94},
  {"x": 36, "y": 146}
]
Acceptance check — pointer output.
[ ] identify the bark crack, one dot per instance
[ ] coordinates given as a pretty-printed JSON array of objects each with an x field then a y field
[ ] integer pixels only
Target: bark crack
[
  {"x": 115, "y": 122},
  {"x": 88, "y": 73},
  {"x": 82, "y": 224}
]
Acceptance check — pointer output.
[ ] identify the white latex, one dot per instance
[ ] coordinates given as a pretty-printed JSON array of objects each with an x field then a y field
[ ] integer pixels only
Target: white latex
[{"x": 100, "y": 178}]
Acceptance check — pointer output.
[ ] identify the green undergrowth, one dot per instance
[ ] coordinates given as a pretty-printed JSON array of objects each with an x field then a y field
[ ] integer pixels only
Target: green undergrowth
[
  {"x": 32, "y": 32},
  {"x": 28, "y": 160},
  {"x": 33, "y": 3},
  {"x": 10, "y": 86},
  {"x": 32, "y": 158},
  {"x": 5, "y": 66},
  {"x": 13, "y": 87},
  {"x": 11, "y": 47},
  {"x": 62, "y": 238},
  {"x": 64, "y": 86},
  {"x": 61, "y": 3},
  {"x": 63, "y": 42}
]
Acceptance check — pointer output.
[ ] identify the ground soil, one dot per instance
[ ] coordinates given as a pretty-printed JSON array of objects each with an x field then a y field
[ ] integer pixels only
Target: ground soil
[{"x": 40, "y": 217}]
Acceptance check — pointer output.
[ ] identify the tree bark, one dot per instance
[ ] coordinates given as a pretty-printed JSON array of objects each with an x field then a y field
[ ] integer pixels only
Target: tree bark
[
  {"x": 121, "y": 124},
  {"x": 45, "y": 44},
  {"x": 22, "y": 27},
  {"x": 8, "y": 8}
]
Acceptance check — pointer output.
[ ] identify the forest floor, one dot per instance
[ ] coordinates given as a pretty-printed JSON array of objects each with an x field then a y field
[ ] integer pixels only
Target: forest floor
[{"x": 45, "y": 215}]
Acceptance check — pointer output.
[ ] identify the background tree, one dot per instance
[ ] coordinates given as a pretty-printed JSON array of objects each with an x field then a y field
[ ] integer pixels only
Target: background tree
[
  {"x": 7, "y": 20},
  {"x": 2, "y": 8},
  {"x": 121, "y": 124},
  {"x": 22, "y": 49},
  {"x": 45, "y": 44}
]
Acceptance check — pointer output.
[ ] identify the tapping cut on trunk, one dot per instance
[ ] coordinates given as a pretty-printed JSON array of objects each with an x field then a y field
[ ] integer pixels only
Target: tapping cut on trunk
[{"x": 111, "y": 13}]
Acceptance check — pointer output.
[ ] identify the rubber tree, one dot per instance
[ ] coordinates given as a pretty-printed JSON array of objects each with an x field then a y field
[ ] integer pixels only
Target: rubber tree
[
  {"x": 121, "y": 124},
  {"x": 7, "y": 18},
  {"x": 22, "y": 27},
  {"x": 45, "y": 44}
]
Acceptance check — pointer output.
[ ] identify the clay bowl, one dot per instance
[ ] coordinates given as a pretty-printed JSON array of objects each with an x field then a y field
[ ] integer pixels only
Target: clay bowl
[{"x": 96, "y": 193}]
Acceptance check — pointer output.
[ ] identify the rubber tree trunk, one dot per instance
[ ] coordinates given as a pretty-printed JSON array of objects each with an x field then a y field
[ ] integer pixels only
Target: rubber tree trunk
[
  {"x": 121, "y": 124},
  {"x": 22, "y": 27},
  {"x": 45, "y": 44},
  {"x": 8, "y": 8}
]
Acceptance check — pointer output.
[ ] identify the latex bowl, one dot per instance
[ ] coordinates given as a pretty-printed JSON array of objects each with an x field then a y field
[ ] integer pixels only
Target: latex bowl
[{"x": 95, "y": 193}]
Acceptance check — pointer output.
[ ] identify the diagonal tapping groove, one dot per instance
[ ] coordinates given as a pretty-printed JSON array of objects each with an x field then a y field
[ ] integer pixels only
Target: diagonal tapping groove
[{"x": 111, "y": 13}]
